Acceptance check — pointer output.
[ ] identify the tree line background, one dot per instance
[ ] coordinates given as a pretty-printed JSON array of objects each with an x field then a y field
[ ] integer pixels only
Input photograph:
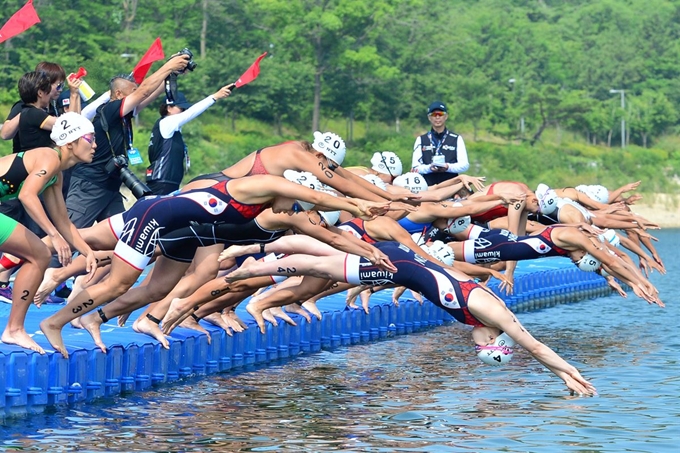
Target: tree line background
[{"x": 368, "y": 70}]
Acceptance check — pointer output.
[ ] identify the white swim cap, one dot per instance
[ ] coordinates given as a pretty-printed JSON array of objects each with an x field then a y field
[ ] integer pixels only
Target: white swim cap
[
  {"x": 69, "y": 127},
  {"x": 387, "y": 162},
  {"x": 376, "y": 181},
  {"x": 547, "y": 199},
  {"x": 596, "y": 192},
  {"x": 441, "y": 252},
  {"x": 304, "y": 178},
  {"x": 611, "y": 237},
  {"x": 330, "y": 145},
  {"x": 457, "y": 225},
  {"x": 411, "y": 181},
  {"x": 588, "y": 263},
  {"x": 330, "y": 217},
  {"x": 499, "y": 353},
  {"x": 419, "y": 239}
]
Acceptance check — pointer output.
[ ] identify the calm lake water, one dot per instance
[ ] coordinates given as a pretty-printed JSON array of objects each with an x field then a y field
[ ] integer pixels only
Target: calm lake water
[{"x": 423, "y": 392}]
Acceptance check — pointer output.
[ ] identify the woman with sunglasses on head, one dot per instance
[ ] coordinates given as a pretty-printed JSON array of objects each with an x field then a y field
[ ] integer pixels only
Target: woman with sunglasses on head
[{"x": 24, "y": 176}]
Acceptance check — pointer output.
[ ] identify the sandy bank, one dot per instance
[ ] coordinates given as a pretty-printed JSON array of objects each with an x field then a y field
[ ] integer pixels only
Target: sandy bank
[{"x": 663, "y": 209}]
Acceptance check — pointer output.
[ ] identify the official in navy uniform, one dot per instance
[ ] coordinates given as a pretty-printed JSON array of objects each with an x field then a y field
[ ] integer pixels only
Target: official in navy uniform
[{"x": 440, "y": 154}]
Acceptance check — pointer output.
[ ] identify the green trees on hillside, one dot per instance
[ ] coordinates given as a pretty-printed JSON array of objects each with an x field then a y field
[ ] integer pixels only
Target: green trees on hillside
[{"x": 499, "y": 64}]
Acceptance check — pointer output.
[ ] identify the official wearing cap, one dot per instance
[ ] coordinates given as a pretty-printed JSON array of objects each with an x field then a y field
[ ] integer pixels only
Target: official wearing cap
[
  {"x": 440, "y": 154},
  {"x": 168, "y": 154}
]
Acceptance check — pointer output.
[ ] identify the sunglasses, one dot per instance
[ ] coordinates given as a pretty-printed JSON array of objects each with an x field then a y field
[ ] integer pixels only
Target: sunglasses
[
  {"x": 332, "y": 165},
  {"x": 60, "y": 86},
  {"x": 437, "y": 114},
  {"x": 297, "y": 208},
  {"x": 88, "y": 138}
]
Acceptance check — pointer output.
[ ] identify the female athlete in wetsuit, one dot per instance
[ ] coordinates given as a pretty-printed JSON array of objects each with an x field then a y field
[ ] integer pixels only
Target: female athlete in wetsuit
[
  {"x": 138, "y": 230},
  {"x": 24, "y": 177},
  {"x": 465, "y": 300}
]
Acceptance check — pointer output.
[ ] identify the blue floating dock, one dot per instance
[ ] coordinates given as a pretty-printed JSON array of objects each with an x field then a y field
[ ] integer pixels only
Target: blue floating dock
[{"x": 135, "y": 362}]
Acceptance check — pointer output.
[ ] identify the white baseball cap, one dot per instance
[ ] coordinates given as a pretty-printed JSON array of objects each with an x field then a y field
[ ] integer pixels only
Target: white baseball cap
[
  {"x": 69, "y": 127},
  {"x": 499, "y": 353},
  {"x": 387, "y": 162},
  {"x": 330, "y": 145},
  {"x": 411, "y": 181},
  {"x": 304, "y": 178}
]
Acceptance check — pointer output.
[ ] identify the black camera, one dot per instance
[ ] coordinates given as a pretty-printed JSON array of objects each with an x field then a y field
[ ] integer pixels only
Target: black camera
[
  {"x": 191, "y": 65},
  {"x": 119, "y": 164}
]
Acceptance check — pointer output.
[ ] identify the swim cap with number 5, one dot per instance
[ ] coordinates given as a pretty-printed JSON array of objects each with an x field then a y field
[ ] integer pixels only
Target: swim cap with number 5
[{"x": 330, "y": 145}]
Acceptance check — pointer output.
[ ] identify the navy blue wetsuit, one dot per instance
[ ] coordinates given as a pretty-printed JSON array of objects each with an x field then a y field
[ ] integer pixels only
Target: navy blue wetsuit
[
  {"x": 496, "y": 248},
  {"x": 418, "y": 274},
  {"x": 155, "y": 217},
  {"x": 181, "y": 245}
]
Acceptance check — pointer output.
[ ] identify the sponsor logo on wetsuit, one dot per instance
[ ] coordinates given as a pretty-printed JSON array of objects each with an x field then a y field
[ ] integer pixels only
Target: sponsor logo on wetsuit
[
  {"x": 207, "y": 201},
  {"x": 537, "y": 244},
  {"x": 481, "y": 243},
  {"x": 146, "y": 242},
  {"x": 447, "y": 295}
]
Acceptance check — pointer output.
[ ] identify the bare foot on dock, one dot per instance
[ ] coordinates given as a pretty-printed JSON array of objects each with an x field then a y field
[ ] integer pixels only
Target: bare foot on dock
[
  {"x": 231, "y": 318},
  {"x": 257, "y": 314},
  {"x": 279, "y": 313},
  {"x": 311, "y": 307},
  {"x": 148, "y": 327},
  {"x": 21, "y": 339},
  {"x": 191, "y": 323},
  {"x": 76, "y": 323},
  {"x": 92, "y": 322},
  {"x": 48, "y": 285},
  {"x": 53, "y": 335},
  {"x": 177, "y": 312},
  {"x": 298, "y": 310},
  {"x": 122, "y": 319},
  {"x": 216, "y": 320}
]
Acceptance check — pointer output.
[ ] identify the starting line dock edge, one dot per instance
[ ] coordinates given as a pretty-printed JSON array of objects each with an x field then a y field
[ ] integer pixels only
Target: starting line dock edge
[{"x": 31, "y": 382}]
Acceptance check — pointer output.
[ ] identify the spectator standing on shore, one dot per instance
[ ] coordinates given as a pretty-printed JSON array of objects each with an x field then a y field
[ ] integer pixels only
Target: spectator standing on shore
[{"x": 440, "y": 154}]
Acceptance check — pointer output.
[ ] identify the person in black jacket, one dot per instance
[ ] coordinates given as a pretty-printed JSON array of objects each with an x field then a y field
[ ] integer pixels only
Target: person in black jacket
[
  {"x": 168, "y": 154},
  {"x": 440, "y": 154}
]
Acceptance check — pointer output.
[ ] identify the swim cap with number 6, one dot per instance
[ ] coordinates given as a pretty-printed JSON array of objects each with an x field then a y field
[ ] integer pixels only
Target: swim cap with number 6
[{"x": 411, "y": 181}]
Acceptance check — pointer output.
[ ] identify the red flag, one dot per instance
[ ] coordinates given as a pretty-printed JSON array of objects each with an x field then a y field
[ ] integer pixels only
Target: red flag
[
  {"x": 152, "y": 55},
  {"x": 252, "y": 72},
  {"x": 21, "y": 21}
]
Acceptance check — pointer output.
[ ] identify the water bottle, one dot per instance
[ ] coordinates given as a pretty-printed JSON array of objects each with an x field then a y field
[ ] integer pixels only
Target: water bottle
[{"x": 85, "y": 90}]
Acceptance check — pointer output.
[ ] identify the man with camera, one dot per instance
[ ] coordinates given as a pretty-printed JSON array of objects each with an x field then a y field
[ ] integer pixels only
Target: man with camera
[{"x": 94, "y": 193}]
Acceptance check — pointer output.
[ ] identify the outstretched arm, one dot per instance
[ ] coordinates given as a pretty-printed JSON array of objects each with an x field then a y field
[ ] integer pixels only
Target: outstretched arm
[{"x": 492, "y": 312}]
